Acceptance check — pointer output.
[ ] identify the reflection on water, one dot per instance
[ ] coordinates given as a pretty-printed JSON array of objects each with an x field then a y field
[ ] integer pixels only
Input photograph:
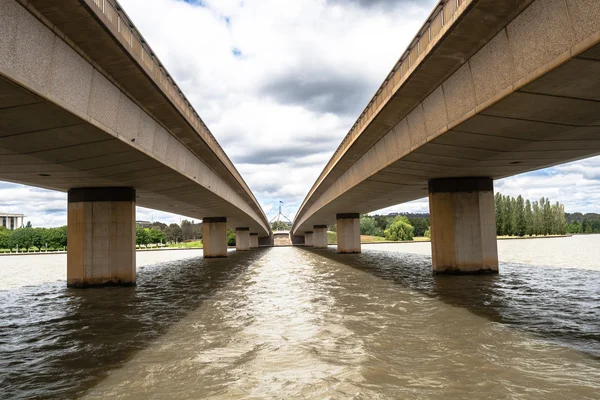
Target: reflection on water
[{"x": 288, "y": 322}]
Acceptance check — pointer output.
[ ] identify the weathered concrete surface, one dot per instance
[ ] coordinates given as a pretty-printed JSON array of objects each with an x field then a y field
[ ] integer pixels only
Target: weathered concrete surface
[
  {"x": 281, "y": 239},
  {"x": 84, "y": 103},
  {"x": 242, "y": 239},
  {"x": 463, "y": 226},
  {"x": 500, "y": 89},
  {"x": 320, "y": 236},
  {"x": 348, "y": 233},
  {"x": 254, "y": 240},
  {"x": 101, "y": 235},
  {"x": 308, "y": 239},
  {"x": 214, "y": 237}
]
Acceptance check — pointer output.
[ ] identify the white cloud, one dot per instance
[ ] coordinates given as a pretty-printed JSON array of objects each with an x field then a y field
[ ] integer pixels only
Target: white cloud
[{"x": 303, "y": 72}]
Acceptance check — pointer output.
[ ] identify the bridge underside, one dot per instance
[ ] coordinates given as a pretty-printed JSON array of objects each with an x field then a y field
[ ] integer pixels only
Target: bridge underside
[
  {"x": 43, "y": 145},
  {"x": 552, "y": 120}
]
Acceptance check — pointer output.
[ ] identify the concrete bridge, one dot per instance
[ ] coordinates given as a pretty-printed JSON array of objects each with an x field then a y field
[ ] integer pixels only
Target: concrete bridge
[
  {"x": 487, "y": 89},
  {"x": 86, "y": 107}
]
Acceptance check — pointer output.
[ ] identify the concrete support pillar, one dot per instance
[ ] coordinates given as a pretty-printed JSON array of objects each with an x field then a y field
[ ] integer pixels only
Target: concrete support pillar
[
  {"x": 348, "y": 233},
  {"x": 214, "y": 237},
  {"x": 308, "y": 239},
  {"x": 254, "y": 240},
  {"x": 101, "y": 237},
  {"x": 242, "y": 239},
  {"x": 320, "y": 236},
  {"x": 463, "y": 226}
]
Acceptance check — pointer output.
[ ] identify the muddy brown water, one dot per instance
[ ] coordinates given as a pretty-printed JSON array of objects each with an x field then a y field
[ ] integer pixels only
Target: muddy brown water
[{"x": 293, "y": 323}]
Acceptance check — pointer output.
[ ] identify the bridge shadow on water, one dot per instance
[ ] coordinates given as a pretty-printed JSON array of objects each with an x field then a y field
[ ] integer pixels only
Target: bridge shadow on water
[
  {"x": 558, "y": 304},
  {"x": 49, "y": 331}
]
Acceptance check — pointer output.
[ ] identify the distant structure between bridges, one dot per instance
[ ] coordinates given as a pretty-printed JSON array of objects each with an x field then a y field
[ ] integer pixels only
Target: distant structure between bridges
[
  {"x": 487, "y": 89},
  {"x": 86, "y": 107}
]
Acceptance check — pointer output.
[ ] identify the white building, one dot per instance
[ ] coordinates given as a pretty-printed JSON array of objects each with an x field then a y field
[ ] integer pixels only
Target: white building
[{"x": 12, "y": 221}]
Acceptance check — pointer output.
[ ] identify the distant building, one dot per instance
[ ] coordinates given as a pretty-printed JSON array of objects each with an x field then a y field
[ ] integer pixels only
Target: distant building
[
  {"x": 12, "y": 221},
  {"x": 144, "y": 224}
]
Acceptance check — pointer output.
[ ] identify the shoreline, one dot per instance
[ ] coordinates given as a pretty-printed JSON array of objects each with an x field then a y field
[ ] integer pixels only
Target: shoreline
[{"x": 299, "y": 245}]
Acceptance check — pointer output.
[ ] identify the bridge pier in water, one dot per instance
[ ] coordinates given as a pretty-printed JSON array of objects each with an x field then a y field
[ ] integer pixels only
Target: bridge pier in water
[
  {"x": 242, "y": 239},
  {"x": 463, "y": 226},
  {"x": 101, "y": 237},
  {"x": 348, "y": 233},
  {"x": 308, "y": 239},
  {"x": 214, "y": 237},
  {"x": 319, "y": 236},
  {"x": 254, "y": 240}
]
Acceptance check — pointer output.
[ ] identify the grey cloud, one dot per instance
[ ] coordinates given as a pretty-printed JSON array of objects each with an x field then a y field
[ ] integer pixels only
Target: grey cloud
[
  {"x": 277, "y": 155},
  {"x": 320, "y": 91}
]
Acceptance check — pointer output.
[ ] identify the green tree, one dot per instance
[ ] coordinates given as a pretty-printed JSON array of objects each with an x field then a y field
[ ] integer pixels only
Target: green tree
[
  {"x": 420, "y": 225},
  {"x": 400, "y": 229},
  {"x": 159, "y": 225},
  {"x": 368, "y": 226},
  {"x": 230, "y": 237},
  {"x": 197, "y": 231},
  {"x": 521, "y": 225},
  {"x": 546, "y": 216},
  {"x": 38, "y": 237},
  {"x": 142, "y": 235},
  {"x": 559, "y": 216},
  {"x": 56, "y": 237},
  {"x": 574, "y": 227},
  {"x": 511, "y": 213},
  {"x": 529, "y": 228},
  {"x": 499, "y": 208},
  {"x": 4, "y": 238},
  {"x": 279, "y": 226},
  {"x": 156, "y": 236},
  {"x": 383, "y": 222},
  {"x": 186, "y": 230},
  {"x": 28, "y": 225},
  {"x": 174, "y": 233},
  {"x": 428, "y": 232},
  {"x": 538, "y": 223},
  {"x": 21, "y": 238}
]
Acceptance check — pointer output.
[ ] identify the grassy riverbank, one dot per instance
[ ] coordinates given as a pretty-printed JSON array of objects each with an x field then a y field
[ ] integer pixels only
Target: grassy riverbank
[{"x": 332, "y": 238}]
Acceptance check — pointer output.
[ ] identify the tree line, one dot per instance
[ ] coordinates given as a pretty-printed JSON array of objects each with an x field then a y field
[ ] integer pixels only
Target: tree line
[
  {"x": 394, "y": 226},
  {"x": 23, "y": 239},
  {"x": 515, "y": 216},
  {"x": 519, "y": 217},
  {"x": 39, "y": 239},
  {"x": 160, "y": 233},
  {"x": 583, "y": 223},
  {"x": 377, "y": 225}
]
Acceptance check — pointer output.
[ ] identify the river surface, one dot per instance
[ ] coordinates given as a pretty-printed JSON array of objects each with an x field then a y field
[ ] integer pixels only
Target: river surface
[{"x": 295, "y": 323}]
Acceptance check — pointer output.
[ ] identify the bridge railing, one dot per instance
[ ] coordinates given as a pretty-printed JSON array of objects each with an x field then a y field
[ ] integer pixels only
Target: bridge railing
[
  {"x": 429, "y": 33},
  {"x": 121, "y": 24}
]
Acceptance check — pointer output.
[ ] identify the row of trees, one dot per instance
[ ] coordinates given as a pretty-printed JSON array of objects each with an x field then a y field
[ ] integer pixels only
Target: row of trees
[
  {"x": 519, "y": 217},
  {"x": 146, "y": 236},
  {"x": 378, "y": 224},
  {"x": 37, "y": 238},
  {"x": 583, "y": 223},
  {"x": 173, "y": 233}
]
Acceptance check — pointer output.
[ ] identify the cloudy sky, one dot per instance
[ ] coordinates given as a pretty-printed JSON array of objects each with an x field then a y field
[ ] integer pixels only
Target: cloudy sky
[{"x": 279, "y": 83}]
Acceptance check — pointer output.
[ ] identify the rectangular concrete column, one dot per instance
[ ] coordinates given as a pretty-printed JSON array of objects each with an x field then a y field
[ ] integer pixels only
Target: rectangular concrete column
[
  {"x": 214, "y": 237},
  {"x": 320, "y": 236},
  {"x": 242, "y": 239},
  {"x": 463, "y": 226},
  {"x": 348, "y": 233},
  {"x": 101, "y": 237},
  {"x": 254, "y": 240},
  {"x": 308, "y": 239}
]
